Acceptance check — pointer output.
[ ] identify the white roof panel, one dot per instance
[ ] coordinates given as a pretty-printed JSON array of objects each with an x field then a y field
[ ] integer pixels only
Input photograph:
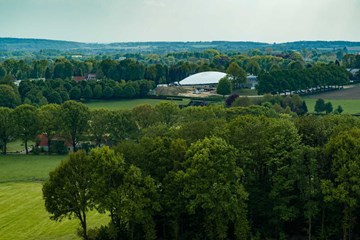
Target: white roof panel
[{"x": 203, "y": 78}]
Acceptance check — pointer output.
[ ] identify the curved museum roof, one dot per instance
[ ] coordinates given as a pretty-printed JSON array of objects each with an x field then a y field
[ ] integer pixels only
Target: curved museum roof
[{"x": 203, "y": 78}]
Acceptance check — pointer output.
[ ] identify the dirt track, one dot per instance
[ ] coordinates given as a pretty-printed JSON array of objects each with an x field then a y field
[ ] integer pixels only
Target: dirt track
[{"x": 347, "y": 93}]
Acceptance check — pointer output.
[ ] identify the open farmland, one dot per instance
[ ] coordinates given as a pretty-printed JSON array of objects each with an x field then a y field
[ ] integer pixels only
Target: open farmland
[
  {"x": 129, "y": 104},
  {"x": 22, "y": 210},
  {"x": 348, "y": 98},
  {"x": 348, "y": 93}
]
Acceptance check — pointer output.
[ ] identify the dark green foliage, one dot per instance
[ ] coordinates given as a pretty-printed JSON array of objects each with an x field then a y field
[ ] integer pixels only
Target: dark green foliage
[
  {"x": 328, "y": 107},
  {"x": 7, "y": 128},
  {"x": 224, "y": 87},
  {"x": 67, "y": 193},
  {"x": 339, "y": 109},
  {"x": 75, "y": 118},
  {"x": 9, "y": 97},
  {"x": 26, "y": 123},
  {"x": 320, "y": 105},
  {"x": 316, "y": 78},
  {"x": 75, "y": 93}
]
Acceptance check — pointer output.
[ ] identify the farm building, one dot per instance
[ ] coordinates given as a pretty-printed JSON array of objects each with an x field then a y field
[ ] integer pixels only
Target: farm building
[{"x": 209, "y": 80}]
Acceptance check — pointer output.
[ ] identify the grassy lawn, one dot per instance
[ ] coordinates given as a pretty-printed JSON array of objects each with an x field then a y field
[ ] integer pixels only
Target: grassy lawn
[
  {"x": 23, "y": 215},
  {"x": 25, "y": 168},
  {"x": 17, "y": 146},
  {"x": 22, "y": 210},
  {"x": 128, "y": 104},
  {"x": 349, "y": 106}
]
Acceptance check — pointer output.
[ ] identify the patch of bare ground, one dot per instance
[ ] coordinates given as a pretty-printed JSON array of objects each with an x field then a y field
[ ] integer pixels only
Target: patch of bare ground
[
  {"x": 183, "y": 91},
  {"x": 348, "y": 92}
]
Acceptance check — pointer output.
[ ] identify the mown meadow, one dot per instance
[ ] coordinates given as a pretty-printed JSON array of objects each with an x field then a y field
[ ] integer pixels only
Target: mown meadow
[{"x": 22, "y": 210}]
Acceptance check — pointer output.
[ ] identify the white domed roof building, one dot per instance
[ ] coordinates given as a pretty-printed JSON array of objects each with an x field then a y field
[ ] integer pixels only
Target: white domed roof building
[{"x": 210, "y": 78}]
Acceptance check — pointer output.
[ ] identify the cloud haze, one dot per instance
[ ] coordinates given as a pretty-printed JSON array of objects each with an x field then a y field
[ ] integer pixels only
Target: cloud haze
[{"x": 181, "y": 20}]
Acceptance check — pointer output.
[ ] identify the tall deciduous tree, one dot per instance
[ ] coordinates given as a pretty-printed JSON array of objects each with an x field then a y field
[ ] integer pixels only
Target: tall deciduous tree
[
  {"x": 237, "y": 74},
  {"x": 27, "y": 123},
  {"x": 99, "y": 125},
  {"x": 75, "y": 118},
  {"x": 50, "y": 121},
  {"x": 224, "y": 87},
  {"x": 213, "y": 188},
  {"x": 7, "y": 126},
  {"x": 68, "y": 193},
  {"x": 344, "y": 187},
  {"x": 9, "y": 97}
]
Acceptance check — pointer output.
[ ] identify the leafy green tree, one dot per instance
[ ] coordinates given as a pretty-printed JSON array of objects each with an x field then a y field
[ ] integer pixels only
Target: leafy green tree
[
  {"x": 253, "y": 67},
  {"x": 87, "y": 93},
  {"x": 319, "y": 105},
  {"x": 74, "y": 117},
  {"x": 129, "y": 196},
  {"x": 97, "y": 92},
  {"x": 108, "y": 92},
  {"x": 269, "y": 152},
  {"x": 99, "y": 125},
  {"x": 237, "y": 74},
  {"x": 54, "y": 97},
  {"x": 167, "y": 112},
  {"x": 328, "y": 107},
  {"x": 123, "y": 126},
  {"x": 50, "y": 121},
  {"x": 48, "y": 74},
  {"x": 128, "y": 91},
  {"x": 27, "y": 123},
  {"x": 9, "y": 97},
  {"x": 75, "y": 93},
  {"x": 144, "y": 115},
  {"x": 2, "y": 72},
  {"x": 213, "y": 189},
  {"x": 224, "y": 87},
  {"x": 339, "y": 109},
  {"x": 344, "y": 150},
  {"x": 6, "y": 127},
  {"x": 67, "y": 193}
]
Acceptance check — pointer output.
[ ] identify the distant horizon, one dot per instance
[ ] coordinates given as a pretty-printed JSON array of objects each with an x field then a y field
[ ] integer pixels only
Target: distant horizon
[{"x": 146, "y": 41}]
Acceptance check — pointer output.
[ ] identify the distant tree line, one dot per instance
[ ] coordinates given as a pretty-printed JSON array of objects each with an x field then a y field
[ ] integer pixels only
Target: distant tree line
[
  {"x": 315, "y": 78},
  {"x": 212, "y": 173}
]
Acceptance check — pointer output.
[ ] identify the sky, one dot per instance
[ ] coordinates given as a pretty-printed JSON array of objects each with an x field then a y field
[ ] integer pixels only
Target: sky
[{"x": 107, "y": 21}]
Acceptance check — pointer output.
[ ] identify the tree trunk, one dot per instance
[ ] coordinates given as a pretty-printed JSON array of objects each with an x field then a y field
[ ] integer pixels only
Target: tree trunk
[
  {"x": 49, "y": 144},
  {"x": 4, "y": 146},
  {"x": 309, "y": 228},
  {"x": 74, "y": 144},
  {"x": 345, "y": 223},
  {"x": 84, "y": 227},
  {"x": 26, "y": 147},
  {"x": 322, "y": 221}
]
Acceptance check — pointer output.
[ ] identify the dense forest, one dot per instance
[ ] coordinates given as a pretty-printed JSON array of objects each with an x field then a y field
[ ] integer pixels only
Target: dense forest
[
  {"x": 210, "y": 172},
  {"x": 206, "y": 172}
]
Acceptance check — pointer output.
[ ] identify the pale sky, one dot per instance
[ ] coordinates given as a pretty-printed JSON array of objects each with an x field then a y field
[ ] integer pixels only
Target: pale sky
[{"x": 181, "y": 20}]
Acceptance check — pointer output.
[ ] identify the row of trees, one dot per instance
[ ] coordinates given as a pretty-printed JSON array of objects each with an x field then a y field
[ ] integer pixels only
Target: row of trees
[
  {"x": 57, "y": 91},
  {"x": 216, "y": 173},
  {"x": 158, "y": 68},
  {"x": 315, "y": 78}
]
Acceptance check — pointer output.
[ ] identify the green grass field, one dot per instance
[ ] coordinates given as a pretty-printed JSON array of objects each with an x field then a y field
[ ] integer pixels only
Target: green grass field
[
  {"x": 349, "y": 106},
  {"x": 22, "y": 210},
  {"x": 128, "y": 104},
  {"x": 27, "y": 168},
  {"x": 17, "y": 146}
]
